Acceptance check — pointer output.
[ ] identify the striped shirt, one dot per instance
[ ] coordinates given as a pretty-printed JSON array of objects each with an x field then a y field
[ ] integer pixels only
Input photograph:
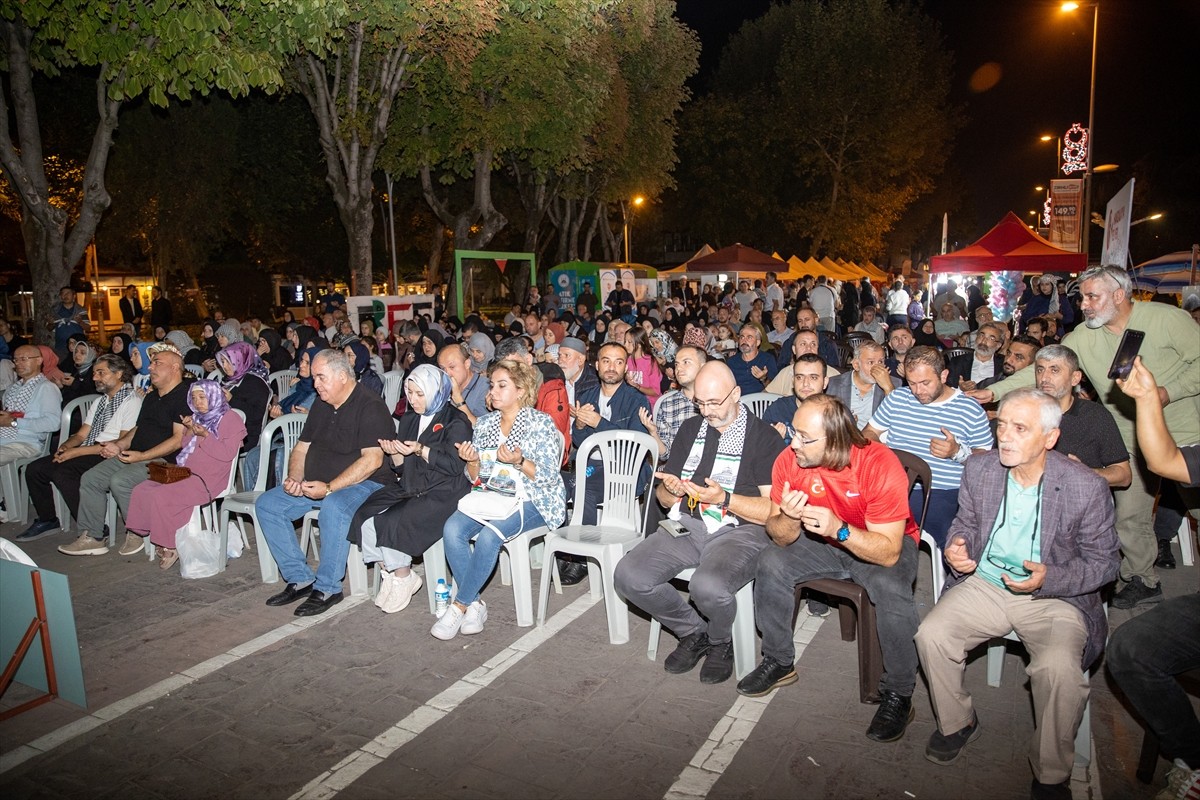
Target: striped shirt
[{"x": 909, "y": 426}]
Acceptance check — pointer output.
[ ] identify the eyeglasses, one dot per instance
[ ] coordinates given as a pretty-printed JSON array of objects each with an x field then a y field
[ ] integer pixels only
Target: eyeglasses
[
  {"x": 1018, "y": 571},
  {"x": 800, "y": 440},
  {"x": 714, "y": 404}
]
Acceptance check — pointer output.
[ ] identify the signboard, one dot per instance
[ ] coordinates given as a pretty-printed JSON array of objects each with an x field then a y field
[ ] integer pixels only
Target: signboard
[
  {"x": 385, "y": 311},
  {"x": 564, "y": 285},
  {"x": 1066, "y": 214},
  {"x": 1117, "y": 218}
]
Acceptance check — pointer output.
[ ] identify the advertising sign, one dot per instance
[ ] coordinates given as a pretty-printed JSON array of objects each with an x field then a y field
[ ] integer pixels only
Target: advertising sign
[
  {"x": 1067, "y": 212},
  {"x": 1116, "y": 227}
]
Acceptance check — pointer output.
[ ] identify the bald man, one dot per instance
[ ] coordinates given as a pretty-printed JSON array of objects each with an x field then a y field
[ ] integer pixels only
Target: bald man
[
  {"x": 717, "y": 505},
  {"x": 31, "y": 408}
]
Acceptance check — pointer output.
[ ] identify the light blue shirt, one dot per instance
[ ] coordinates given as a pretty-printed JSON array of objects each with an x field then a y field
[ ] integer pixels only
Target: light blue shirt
[
  {"x": 1018, "y": 534},
  {"x": 42, "y": 414}
]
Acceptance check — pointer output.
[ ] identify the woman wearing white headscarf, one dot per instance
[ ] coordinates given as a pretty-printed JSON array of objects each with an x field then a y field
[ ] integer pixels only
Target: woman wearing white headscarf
[{"x": 404, "y": 519}]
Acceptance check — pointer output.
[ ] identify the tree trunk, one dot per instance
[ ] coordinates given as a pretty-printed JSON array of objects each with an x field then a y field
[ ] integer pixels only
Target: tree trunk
[
  {"x": 50, "y": 248},
  {"x": 352, "y": 122}
]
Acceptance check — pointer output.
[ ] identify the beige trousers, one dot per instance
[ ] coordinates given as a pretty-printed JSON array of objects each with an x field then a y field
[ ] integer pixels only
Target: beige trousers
[
  {"x": 1052, "y": 631},
  {"x": 1135, "y": 524}
]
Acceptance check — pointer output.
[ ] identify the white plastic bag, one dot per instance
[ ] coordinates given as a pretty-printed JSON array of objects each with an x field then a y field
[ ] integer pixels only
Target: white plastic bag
[{"x": 199, "y": 552}]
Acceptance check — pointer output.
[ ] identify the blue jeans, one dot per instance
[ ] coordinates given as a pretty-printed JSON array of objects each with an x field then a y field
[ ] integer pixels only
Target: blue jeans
[
  {"x": 471, "y": 567},
  {"x": 277, "y": 511}
]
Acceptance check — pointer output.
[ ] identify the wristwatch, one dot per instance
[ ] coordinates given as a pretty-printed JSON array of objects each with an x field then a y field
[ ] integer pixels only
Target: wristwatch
[{"x": 843, "y": 533}]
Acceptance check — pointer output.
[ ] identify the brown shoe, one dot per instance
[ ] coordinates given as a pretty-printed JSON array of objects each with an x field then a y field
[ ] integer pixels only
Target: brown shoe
[{"x": 134, "y": 544}]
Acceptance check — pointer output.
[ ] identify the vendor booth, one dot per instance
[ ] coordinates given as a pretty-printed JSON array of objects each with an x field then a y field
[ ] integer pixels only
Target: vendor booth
[{"x": 569, "y": 279}]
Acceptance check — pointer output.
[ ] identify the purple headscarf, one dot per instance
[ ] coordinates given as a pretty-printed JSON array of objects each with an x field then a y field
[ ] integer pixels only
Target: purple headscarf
[
  {"x": 245, "y": 360},
  {"x": 218, "y": 406}
]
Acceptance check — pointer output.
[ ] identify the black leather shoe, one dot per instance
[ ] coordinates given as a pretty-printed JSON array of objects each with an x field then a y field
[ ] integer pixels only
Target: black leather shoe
[
  {"x": 1136, "y": 592},
  {"x": 894, "y": 714},
  {"x": 571, "y": 572},
  {"x": 289, "y": 595},
  {"x": 688, "y": 653},
  {"x": 45, "y": 527},
  {"x": 1165, "y": 560},
  {"x": 945, "y": 750},
  {"x": 766, "y": 677},
  {"x": 1050, "y": 791},
  {"x": 317, "y": 603},
  {"x": 718, "y": 664}
]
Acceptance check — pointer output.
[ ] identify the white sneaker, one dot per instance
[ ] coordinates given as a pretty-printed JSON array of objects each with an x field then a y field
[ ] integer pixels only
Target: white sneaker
[
  {"x": 85, "y": 545},
  {"x": 134, "y": 544},
  {"x": 474, "y": 618},
  {"x": 385, "y": 586},
  {"x": 448, "y": 624},
  {"x": 402, "y": 592},
  {"x": 1183, "y": 783}
]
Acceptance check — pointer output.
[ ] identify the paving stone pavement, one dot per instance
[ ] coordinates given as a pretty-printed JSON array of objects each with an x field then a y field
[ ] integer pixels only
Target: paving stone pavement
[{"x": 575, "y": 717}]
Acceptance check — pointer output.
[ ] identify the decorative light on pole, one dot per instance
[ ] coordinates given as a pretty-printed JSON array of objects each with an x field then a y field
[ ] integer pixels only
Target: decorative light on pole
[
  {"x": 1087, "y": 175},
  {"x": 637, "y": 202}
]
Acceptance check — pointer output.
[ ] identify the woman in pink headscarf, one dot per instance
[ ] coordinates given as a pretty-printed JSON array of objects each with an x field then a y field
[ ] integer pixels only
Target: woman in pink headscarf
[
  {"x": 211, "y": 438},
  {"x": 50, "y": 366}
]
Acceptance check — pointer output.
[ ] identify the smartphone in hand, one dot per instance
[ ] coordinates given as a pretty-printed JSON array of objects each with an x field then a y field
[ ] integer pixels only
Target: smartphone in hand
[{"x": 1127, "y": 350}]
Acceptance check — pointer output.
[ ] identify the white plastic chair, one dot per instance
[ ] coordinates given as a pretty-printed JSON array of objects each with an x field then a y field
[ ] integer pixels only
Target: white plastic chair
[
  {"x": 216, "y": 375},
  {"x": 195, "y": 369},
  {"x": 281, "y": 381},
  {"x": 619, "y": 526},
  {"x": 1187, "y": 550},
  {"x": 13, "y": 487},
  {"x": 242, "y": 503},
  {"x": 141, "y": 382},
  {"x": 84, "y": 406},
  {"x": 744, "y": 644},
  {"x": 393, "y": 384},
  {"x": 759, "y": 402}
]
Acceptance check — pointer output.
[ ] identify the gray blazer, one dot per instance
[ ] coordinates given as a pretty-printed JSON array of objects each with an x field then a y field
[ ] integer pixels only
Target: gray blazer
[
  {"x": 1078, "y": 531},
  {"x": 840, "y": 386}
]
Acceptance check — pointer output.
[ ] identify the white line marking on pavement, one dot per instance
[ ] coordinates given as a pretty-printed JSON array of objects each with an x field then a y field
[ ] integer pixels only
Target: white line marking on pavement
[
  {"x": 731, "y": 732},
  {"x": 164, "y": 687},
  {"x": 355, "y": 765}
]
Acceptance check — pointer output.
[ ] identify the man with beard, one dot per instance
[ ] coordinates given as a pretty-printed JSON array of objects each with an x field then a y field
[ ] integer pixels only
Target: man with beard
[
  {"x": 838, "y": 511},
  {"x": 938, "y": 423},
  {"x": 806, "y": 341},
  {"x": 1021, "y": 352},
  {"x": 1087, "y": 433},
  {"x": 983, "y": 367},
  {"x": 613, "y": 405},
  {"x": 1029, "y": 551},
  {"x": 870, "y": 324},
  {"x": 751, "y": 367},
  {"x": 578, "y": 375},
  {"x": 859, "y": 388},
  {"x": 677, "y": 405},
  {"x": 900, "y": 341},
  {"x": 809, "y": 377},
  {"x": 1171, "y": 351},
  {"x": 720, "y": 498},
  {"x": 112, "y": 416}
]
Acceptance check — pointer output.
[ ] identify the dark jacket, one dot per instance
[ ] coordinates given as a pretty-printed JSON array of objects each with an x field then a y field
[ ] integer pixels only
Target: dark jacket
[
  {"x": 960, "y": 368},
  {"x": 840, "y": 386},
  {"x": 624, "y": 407},
  {"x": 1078, "y": 532}
]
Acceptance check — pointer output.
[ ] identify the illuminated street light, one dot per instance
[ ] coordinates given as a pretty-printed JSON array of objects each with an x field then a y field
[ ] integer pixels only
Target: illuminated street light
[
  {"x": 1068, "y": 7},
  {"x": 637, "y": 202}
]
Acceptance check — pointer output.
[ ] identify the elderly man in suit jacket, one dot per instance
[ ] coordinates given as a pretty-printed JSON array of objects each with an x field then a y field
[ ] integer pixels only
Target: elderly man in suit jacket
[
  {"x": 1033, "y": 543},
  {"x": 859, "y": 389},
  {"x": 984, "y": 365}
]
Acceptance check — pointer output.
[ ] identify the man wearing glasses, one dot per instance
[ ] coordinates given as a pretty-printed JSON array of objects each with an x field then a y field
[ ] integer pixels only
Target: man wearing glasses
[
  {"x": 839, "y": 509},
  {"x": 984, "y": 366},
  {"x": 717, "y": 502},
  {"x": 1032, "y": 545},
  {"x": 31, "y": 408}
]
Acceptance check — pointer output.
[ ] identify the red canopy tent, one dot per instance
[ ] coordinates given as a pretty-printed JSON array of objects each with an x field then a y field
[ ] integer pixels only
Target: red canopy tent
[
  {"x": 1011, "y": 245},
  {"x": 735, "y": 258}
]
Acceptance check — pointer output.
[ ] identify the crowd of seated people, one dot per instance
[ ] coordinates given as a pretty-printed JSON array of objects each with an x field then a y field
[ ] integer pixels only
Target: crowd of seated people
[{"x": 478, "y": 448}]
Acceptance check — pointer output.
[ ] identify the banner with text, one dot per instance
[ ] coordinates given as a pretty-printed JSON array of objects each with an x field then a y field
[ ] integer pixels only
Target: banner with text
[{"x": 1066, "y": 215}]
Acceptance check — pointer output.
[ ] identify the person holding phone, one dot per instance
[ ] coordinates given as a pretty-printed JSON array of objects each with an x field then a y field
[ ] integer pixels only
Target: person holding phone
[
  {"x": 1031, "y": 547},
  {"x": 1170, "y": 350}
]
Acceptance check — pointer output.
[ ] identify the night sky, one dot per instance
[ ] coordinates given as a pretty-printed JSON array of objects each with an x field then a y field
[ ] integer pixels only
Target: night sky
[{"x": 1145, "y": 78}]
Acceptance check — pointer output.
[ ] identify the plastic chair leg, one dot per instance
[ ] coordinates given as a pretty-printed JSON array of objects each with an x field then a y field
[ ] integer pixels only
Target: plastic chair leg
[
  {"x": 1083, "y": 737},
  {"x": 435, "y": 567},
  {"x": 60, "y": 509},
  {"x": 1187, "y": 550},
  {"x": 356, "y": 570},
  {"x": 223, "y": 535},
  {"x": 995, "y": 663},
  {"x": 548, "y": 556},
  {"x": 522, "y": 579},
  {"x": 267, "y": 567},
  {"x": 744, "y": 644},
  {"x": 110, "y": 520},
  {"x": 614, "y": 605}
]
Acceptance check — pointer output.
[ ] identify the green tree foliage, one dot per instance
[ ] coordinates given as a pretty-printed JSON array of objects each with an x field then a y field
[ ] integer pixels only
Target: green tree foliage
[
  {"x": 160, "y": 49},
  {"x": 846, "y": 123}
]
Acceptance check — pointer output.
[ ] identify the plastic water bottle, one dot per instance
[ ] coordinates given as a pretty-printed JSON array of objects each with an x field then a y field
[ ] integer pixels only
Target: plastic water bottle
[{"x": 441, "y": 597}]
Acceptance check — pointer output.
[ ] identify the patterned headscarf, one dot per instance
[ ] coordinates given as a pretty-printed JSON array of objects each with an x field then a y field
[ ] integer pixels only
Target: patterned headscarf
[
  {"x": 183, "y": 343},
  {"x": 231, "y": 329},
  {"x": 481, "y": 341},
  {"x": 209, "y": 420},
  {"x": 668, "y": 344},
  {"x": 244, "y": 360},
  {"x": 434, "y": 384}
]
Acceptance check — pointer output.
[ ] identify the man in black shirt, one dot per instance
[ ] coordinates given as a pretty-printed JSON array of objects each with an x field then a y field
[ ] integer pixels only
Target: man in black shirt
[
  {"x": 1087, "y": 433},
  {"x": 721, "y": 500},
  {"x": 336, "y": 465},
  {"x": 131, "y": 307},
  {"x": 158, "y": 434}
]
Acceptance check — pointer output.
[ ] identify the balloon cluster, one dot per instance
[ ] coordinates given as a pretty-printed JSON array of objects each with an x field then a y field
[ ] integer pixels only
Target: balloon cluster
[{"x": 1006, "y": 293}]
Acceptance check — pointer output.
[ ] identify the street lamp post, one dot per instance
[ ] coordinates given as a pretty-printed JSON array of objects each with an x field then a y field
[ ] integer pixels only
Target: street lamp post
[
  {"x": 636, "y": 201},
  {"x": 1087, "y": 175}
]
